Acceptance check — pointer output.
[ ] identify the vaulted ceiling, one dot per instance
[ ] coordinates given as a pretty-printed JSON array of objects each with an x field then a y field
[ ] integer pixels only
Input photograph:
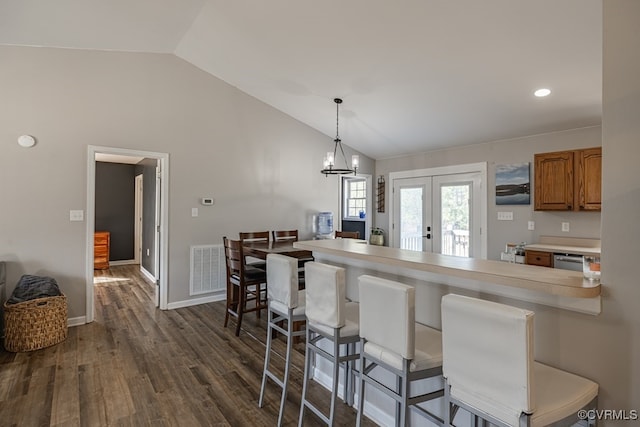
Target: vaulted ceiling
[{"x": 415, "y": 75}]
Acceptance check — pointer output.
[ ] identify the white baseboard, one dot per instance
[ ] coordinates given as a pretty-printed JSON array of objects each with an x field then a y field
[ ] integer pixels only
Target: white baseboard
[
  {"x": 76, "y": 321},
  {"x": 146, "y": 274},
  {"x": 123, "y": 262},
  {"x": 197, "y": 301}
]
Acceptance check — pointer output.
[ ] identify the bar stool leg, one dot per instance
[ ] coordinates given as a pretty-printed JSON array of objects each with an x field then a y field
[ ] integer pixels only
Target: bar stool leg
[
  {"x": 305, "y": 381},
  {"x": 405, "y": 388},
  {"x": 267, "y": 358},
  {"x": 287, "y": 365},
  {"x": 361, "y": 388},
  {"x": 336, "y": 375},
  {"x": 242, "y": 303}
]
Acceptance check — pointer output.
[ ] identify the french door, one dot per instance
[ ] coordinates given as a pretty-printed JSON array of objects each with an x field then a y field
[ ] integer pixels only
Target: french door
[{"x": 439, "y": 213}]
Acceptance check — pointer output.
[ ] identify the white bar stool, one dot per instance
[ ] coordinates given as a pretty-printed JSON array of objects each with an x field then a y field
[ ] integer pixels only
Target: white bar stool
[
  {"x": 391, "y": 339},
  {"x": 330, "y": 317},
  {"x": 489, "y": 369},
  {"x": 286, "y": 304}
]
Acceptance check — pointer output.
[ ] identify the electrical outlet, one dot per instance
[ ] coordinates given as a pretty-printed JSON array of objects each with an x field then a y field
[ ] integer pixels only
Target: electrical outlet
[
  {"x": 194, "y": 212},
  {"x": 505, "y": 216},
  {"x": 531, "y": 225},
  {"x": 565, "y": 226}
]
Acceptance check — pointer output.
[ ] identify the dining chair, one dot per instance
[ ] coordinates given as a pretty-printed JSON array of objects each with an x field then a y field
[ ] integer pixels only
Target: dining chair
[
  {"x": 348, "y": 234},
  {"x": 255, "y": 237},
  {"x": 392, "y": 342},
  {"x": 292, "y": 236},
  {"x": 285, "y": 235},
  {"x": 489, "y": 369},
  {"x": 286, "y": 308},
  {"x": 245, "y": 284}
]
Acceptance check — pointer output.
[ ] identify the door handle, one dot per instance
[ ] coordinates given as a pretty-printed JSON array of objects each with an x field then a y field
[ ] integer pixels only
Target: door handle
[{"x": 428, "y": 235}]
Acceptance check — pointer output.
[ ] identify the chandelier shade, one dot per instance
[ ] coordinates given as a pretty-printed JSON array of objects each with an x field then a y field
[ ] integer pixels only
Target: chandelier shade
[{"x": 329, "y": 166}]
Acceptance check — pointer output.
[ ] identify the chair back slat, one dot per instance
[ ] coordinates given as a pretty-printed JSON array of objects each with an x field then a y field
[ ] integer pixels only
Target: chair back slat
[
  {"x": 285, "y": 235},
  {"x": 387, "y": 314},
  {"x": 325, "y": 294},
  {"x": 234, "y": 256},
  {"x": 488, "y": 354},
  {"x": 254, "y": 236}
]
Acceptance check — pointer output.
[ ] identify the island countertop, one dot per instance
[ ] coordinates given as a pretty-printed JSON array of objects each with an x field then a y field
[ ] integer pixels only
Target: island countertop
[{"x": 549, "y": 281}]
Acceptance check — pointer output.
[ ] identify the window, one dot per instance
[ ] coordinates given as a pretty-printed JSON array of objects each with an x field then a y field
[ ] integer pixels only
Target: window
[{"x": 355, "y": 198}]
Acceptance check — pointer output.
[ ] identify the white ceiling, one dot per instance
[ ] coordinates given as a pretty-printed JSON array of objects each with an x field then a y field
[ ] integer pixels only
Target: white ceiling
[{"x": 415, "y": 75}]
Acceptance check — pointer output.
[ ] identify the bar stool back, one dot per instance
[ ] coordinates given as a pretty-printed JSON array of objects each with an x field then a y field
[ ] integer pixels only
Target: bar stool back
[
  {"x": 392, "y": 340},
  {"x": 286, "y": 304},
  {"x": 330, "y": 318},
  {"x": 490, "y": 371}
]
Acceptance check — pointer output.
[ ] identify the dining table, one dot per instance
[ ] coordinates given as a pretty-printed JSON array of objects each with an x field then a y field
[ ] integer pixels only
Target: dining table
[{"x": 260, "y": 250}]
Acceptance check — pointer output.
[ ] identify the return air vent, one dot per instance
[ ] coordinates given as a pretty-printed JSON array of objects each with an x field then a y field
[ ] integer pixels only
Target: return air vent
[{"x": 207, "y": 269}]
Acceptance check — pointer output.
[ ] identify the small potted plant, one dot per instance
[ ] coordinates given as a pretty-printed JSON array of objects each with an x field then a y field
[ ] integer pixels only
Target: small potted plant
[{"x": 377, "y": 236}]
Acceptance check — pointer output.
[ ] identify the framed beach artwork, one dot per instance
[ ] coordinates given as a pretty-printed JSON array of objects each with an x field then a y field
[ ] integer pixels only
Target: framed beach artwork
[{"x": 513, "y": 185}]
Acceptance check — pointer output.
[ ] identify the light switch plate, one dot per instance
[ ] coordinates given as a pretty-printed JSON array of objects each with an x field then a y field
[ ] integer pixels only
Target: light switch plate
[
  {"x": 194, "y": 212},
  {"x": 505, "y": 216},
  {"x": 565, "y": 226},
  {"x": 76, "y": 215}
]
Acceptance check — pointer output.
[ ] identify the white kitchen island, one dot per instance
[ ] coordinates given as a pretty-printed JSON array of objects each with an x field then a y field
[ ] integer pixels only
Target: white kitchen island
[
  {"x": 434, "y": 276},
  {"x": 553, "y": 287}
]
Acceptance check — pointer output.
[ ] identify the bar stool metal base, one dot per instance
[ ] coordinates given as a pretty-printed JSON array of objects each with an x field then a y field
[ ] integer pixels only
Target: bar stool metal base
[
  {"x": 275, "y": 318},
  {"x": 314, "y": 336}
]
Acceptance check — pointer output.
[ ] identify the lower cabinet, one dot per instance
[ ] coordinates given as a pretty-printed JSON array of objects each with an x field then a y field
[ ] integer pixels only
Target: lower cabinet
[{"x": 543, "y": 259}]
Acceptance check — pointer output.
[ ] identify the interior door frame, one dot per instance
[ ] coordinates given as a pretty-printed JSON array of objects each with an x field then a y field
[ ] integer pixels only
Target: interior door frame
[
  {"x": 162, "y": 210},
  {"x": 137, "y": 239},
  {"x": 480, "y": 167}
]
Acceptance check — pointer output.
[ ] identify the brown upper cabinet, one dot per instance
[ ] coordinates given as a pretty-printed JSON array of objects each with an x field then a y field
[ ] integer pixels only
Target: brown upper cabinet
[{"x": 568, "y": 180}]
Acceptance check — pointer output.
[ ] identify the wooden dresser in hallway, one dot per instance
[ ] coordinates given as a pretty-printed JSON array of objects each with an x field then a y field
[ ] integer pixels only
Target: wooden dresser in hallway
[{"x": 101, "y": 244}]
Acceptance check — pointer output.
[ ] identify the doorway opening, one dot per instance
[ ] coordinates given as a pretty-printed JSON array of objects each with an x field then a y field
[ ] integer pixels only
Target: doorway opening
[{"x": 158, "y": 226}]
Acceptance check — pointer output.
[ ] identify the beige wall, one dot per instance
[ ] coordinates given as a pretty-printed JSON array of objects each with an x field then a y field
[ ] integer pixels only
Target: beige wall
[
  {"x": 521, "y": 150},
  {"x": 260, "y": 165},
  {"x": 617, "y": 335}
]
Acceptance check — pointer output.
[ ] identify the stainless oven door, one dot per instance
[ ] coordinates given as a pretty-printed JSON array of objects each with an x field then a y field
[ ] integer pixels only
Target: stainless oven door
[{"x": 567, "y": 262}]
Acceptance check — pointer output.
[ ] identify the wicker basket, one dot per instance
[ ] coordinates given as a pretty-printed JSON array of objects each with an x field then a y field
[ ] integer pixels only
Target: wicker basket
[{"x": 35, "y": 324}]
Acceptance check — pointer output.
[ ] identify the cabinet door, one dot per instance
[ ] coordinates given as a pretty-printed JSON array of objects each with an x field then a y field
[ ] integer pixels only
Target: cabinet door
[
  {"x": 554, "y": 184},
  {"x": 540, "y": 258},
  {"x": 589, "y": 185}
]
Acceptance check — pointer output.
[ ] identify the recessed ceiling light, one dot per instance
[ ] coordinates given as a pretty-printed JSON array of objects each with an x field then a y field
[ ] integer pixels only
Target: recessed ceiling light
[{"x": 542, "y": 92}]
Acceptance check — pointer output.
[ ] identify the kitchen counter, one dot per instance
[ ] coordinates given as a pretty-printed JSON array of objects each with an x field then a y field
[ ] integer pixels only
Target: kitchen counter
[
  {"x": 568, "y": 245},
  {"x": 554, "y": 287}
]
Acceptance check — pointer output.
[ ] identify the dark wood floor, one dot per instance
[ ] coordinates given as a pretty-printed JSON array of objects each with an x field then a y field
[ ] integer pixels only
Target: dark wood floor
[{"x": 137, "y": 365}]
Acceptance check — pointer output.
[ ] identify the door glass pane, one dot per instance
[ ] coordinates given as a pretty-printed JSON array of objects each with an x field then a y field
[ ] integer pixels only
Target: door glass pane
[
  {"x": 411, "y": 218},
  {"x": 455, "y": 219}
]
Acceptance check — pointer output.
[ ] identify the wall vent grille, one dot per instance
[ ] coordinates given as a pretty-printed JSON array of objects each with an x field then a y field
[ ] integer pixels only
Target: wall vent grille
[{"x": 208, "y": 269}]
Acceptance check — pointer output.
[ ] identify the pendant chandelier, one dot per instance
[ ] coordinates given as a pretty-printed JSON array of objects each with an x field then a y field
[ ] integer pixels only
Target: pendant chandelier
[{"x": 332, "y": 156}]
